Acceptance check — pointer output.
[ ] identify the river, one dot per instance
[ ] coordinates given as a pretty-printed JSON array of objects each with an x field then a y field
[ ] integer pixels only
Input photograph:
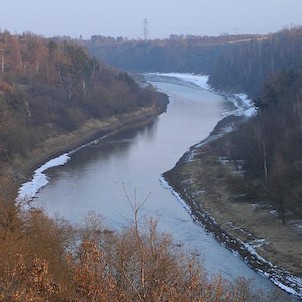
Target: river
[{"x": 97, "y": 176}]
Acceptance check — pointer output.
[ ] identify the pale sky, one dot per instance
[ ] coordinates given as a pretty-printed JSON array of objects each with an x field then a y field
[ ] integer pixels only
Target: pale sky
[{"x": 125, "y": 17}]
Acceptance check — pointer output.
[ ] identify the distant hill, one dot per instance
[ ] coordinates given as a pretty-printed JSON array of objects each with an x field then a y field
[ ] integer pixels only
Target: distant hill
[
  {"x": 176, "y": 54},
  {"x": 238, "y": 63},
  {"x": 248, "y": 65}
]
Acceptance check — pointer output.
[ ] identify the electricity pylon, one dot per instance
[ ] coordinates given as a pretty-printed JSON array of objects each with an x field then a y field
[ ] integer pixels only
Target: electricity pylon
[{"x": 146, "y": 29}]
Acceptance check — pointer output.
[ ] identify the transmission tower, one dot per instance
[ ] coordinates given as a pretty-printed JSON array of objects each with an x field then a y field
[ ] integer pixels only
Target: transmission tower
[{"x": 146, "y": 29}]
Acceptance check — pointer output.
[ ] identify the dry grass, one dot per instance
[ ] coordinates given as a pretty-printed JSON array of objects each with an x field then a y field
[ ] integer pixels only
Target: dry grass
[
  {"x": 93, "y": 129},
  {"x": 209, "y": 181}
]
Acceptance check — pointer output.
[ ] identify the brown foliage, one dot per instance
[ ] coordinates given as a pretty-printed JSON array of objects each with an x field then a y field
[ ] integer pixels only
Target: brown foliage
[
  {"x": 140, "y": 264},
  {"x": 28, "y": 282},
  {"x": 48, "y": 260}
]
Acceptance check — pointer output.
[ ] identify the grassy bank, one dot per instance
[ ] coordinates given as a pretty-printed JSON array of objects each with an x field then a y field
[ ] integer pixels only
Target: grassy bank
[{"x": 21, "y": 168}]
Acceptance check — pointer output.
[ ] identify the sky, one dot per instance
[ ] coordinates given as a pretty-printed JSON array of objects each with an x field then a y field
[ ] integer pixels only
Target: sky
[{"x": 126, "y": 17}]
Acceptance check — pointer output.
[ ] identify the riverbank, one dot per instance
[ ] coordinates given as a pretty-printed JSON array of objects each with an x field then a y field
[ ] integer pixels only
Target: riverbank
[
  {"x": 217, "y": 177},
  {"x": 22, "y": 168},
  {"x": 202, "y": 179}
]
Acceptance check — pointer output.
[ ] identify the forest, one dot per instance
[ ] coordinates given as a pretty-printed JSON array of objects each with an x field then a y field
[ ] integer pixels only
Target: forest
[
  {"x": 269, "y": 71},
  {"x": 270, "y": 146},
  {"x": 235, "y": 63},
  {"x": 50, "y": 87},
  {"x": 248, "y": 65},
  {"x": 179, "y": 53}
]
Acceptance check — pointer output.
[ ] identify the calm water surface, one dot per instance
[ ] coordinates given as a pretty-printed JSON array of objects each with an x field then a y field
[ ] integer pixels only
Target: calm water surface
[{"x": 97, "y": 176}]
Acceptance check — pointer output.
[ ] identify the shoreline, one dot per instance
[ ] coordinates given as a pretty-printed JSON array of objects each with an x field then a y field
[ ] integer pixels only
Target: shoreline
[
  {"x": 236, "y": 238},
  {"x": 186, "y": 189},
  {"x": 54, "y": 149}
]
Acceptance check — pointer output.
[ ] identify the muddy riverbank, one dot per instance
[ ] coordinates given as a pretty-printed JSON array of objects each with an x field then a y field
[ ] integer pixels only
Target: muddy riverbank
[{"x": 201, "y": 178}]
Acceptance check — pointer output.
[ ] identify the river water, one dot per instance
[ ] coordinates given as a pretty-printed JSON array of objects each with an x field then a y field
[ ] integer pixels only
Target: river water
[{"x": 98, "y": 175}]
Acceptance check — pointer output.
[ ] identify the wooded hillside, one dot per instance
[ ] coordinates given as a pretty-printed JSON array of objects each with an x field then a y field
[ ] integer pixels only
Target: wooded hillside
[
  {"x": 246, "y": 66},
  {"x": 236, "y": 63},
  {"x": 270, "y": 71},
  {"x": 50, "y": 87},
  {"x": 176, "y": 54},
  {"x": 270, "y": 145}
]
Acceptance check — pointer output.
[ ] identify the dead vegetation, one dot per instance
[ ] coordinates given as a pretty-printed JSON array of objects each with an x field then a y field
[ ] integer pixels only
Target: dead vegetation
[
  {"x": 218, "y": 185},
  {"x": 49, "y": 260}
]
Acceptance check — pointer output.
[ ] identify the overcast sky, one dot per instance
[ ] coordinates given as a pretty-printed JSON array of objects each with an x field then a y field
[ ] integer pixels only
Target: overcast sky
[{"x": 125, "y": 17}]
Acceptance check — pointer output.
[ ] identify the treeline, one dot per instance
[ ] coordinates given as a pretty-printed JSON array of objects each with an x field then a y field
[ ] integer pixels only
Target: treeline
[
  {"x": 269, "y": 143},
  {"x": 48, "y": 87},
  {"x": 49, "y": 260},
  {"x": 179, "y": 53},
  {"x": 246, "y": 66},
  {"x": 236, "y": 63},
  {"x": 271, "y": 146}
]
